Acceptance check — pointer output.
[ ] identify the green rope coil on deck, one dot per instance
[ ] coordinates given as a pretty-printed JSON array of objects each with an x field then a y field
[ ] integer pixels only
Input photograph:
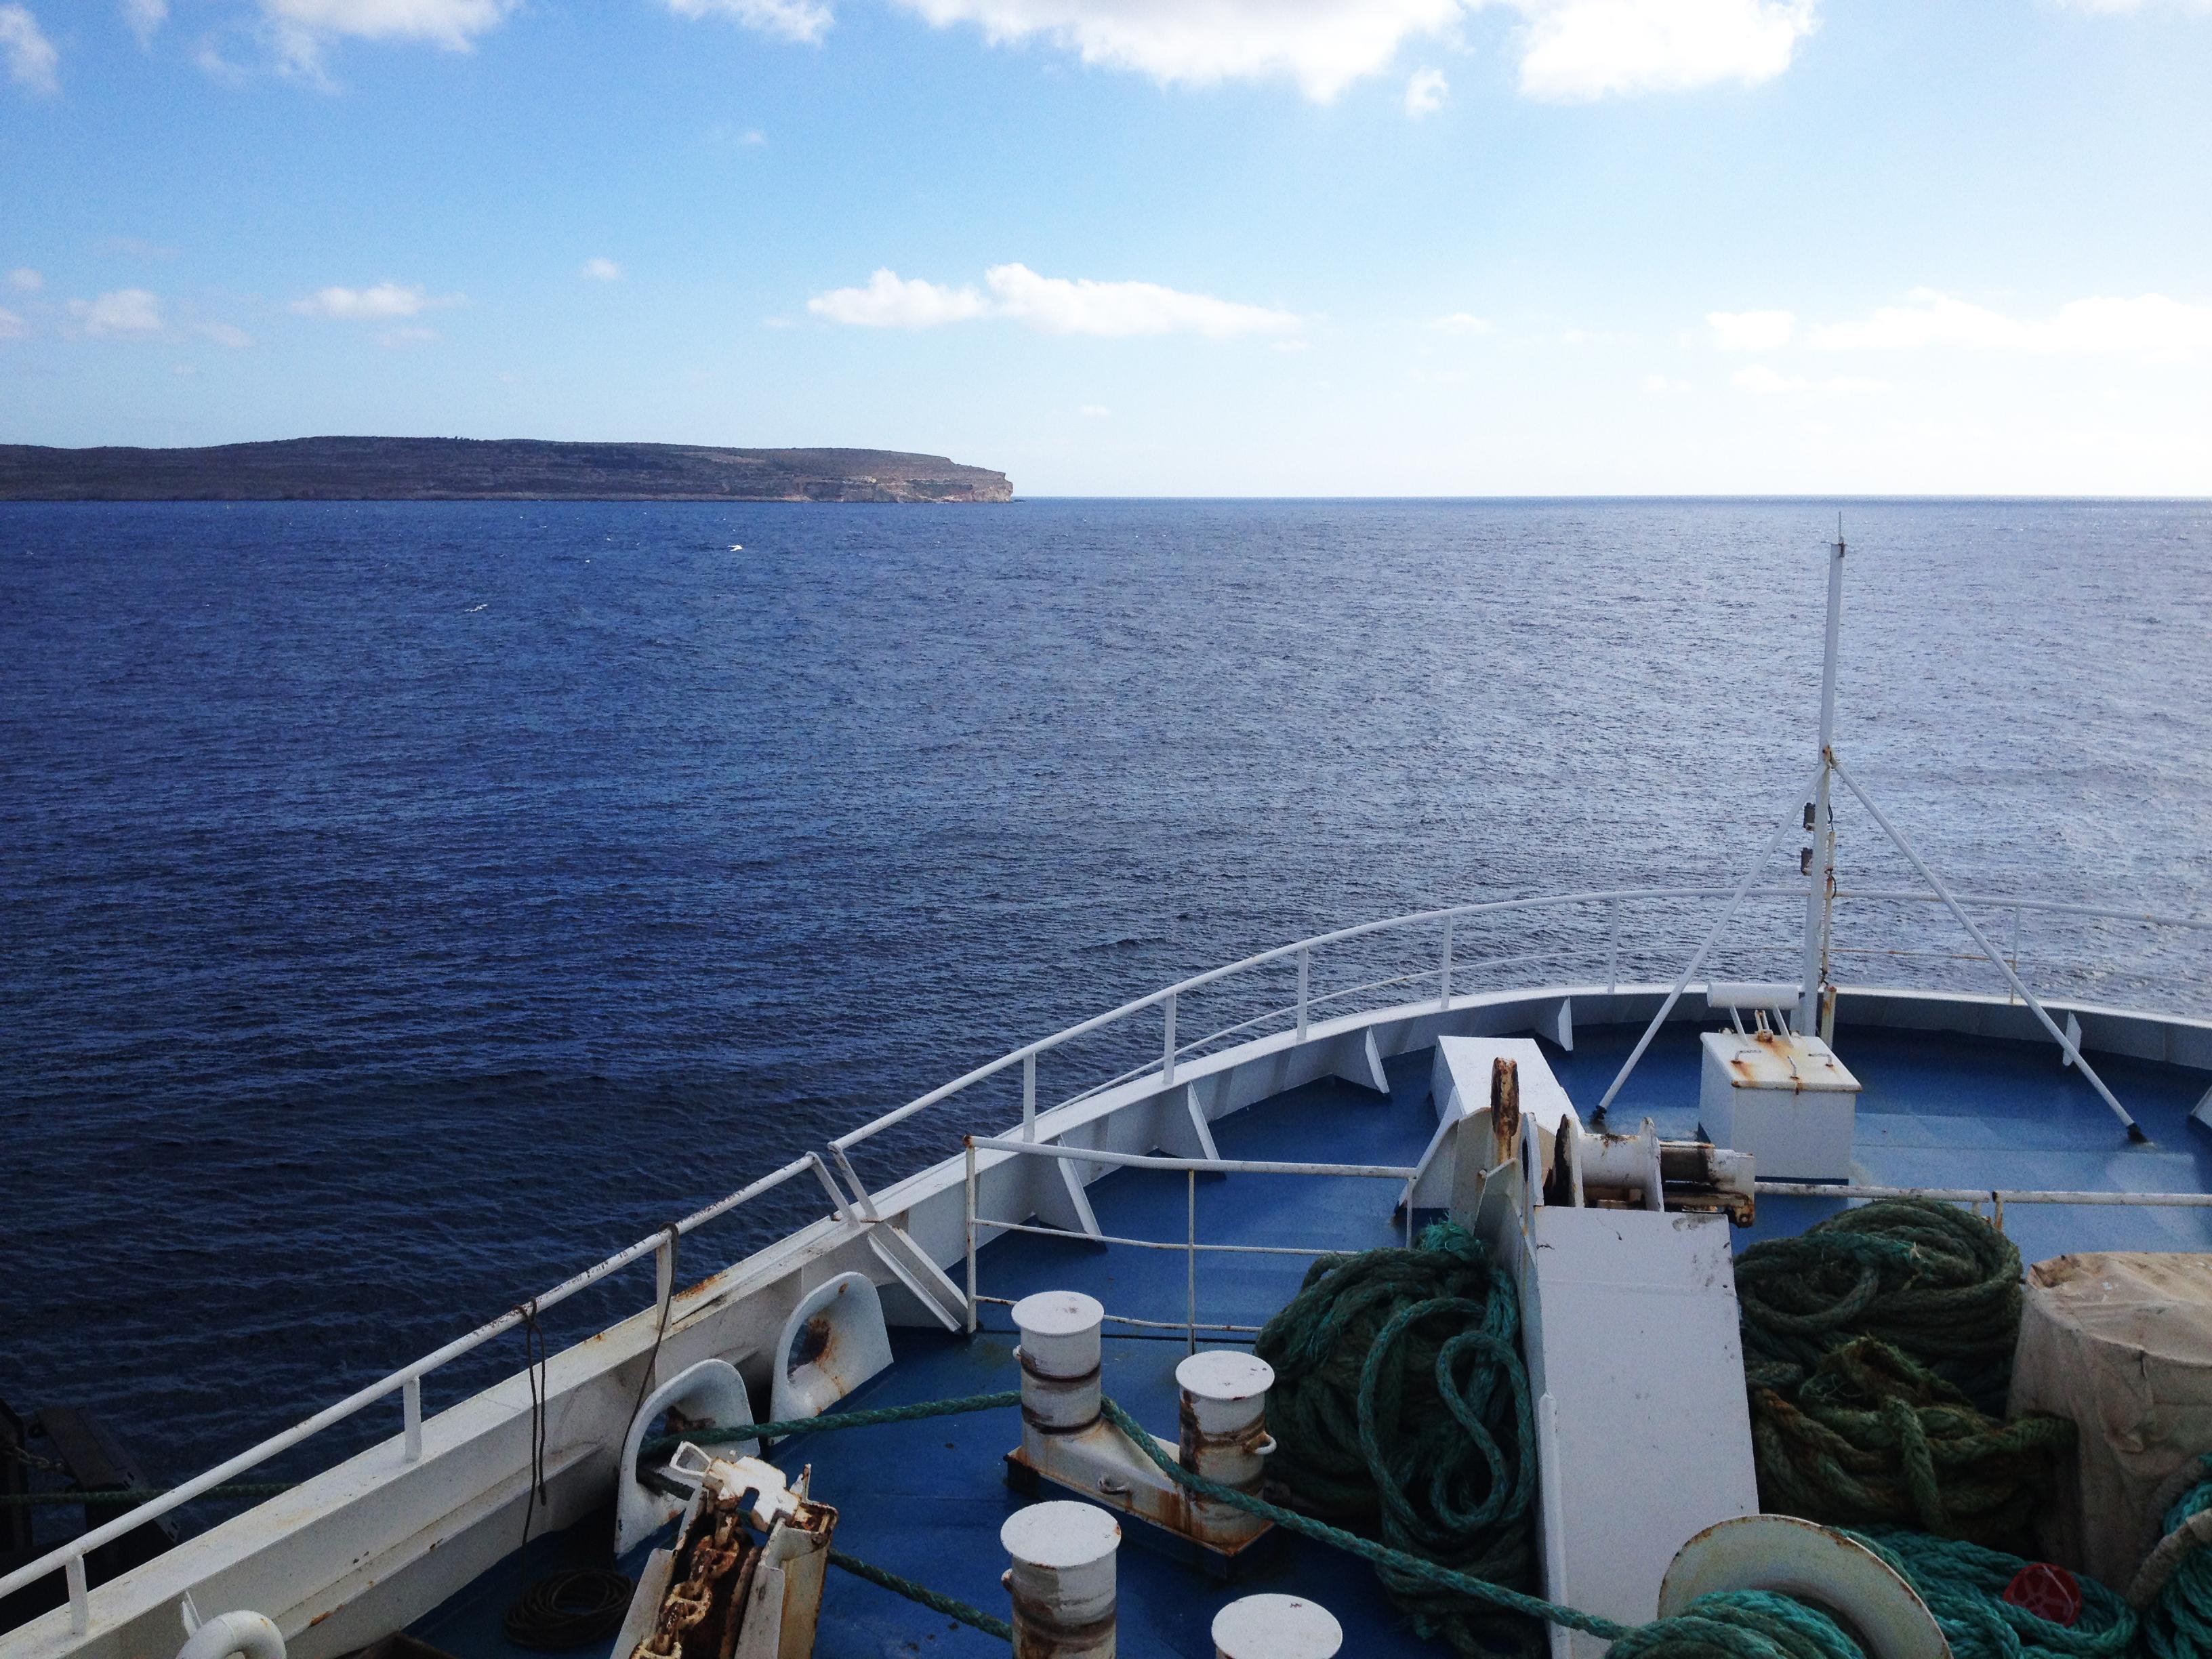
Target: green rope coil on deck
[
  {"x": 1400, "y": 1408},
  {"x": 1873, "y": 1438},
  {"x": 1964, "y": 1585},
  {"x": 1739, "y": 1625},
  {"x": 1938, "y": 1285},
  {"x": 2178, "y": 1622}
]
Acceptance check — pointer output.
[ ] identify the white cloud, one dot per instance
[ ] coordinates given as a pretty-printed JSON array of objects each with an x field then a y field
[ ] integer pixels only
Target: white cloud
[
  {"x": 24, "y": 280},
  {"x": 449, "y": 23},
  {"x": 1758, "y": 378},
  {"x": 145, "y": 18},
  {"x": 602, "y": 270},
  {"x": 1054, "y": 305},
  {"x": 2148, "y": 325},
  {"x": 223, "y": 334},
  {"x": 1659, "y": 384},
  {"x": 126, "y": 311},
  {"x": 1426, "y": 91},
  {"x": 1322, "y": 45},
  {"x": 406, "y": 335},
  {"x": 1575, "y": 50},
  {"x": 1462, "y": 323},
  {"x": 32, "y": 59},
  {"x": 1570, "y": 49},
  {"x": 1058, "y": 306},
  {"x": 792, "y": 20},
  {"x": 1751, "y": 331},
  {"x": 888, "y": 301},
  {"x": 12, "y": 327},
  {"x": 297, "y": 30},
  {"x": 386, "y": 300},
  {"x": 1095, "y": 411}
]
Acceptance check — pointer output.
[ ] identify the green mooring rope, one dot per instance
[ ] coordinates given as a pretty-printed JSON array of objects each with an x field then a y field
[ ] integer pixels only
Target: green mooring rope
[
  {"x": 1963, "y": 1585},
  {"x": 829, "y": 1420},
  {"x": 1400, "y": 1407},
  {"x": 1938, "y": 1285},
  {"x": 1737, "y": 1625},
  {"x": 925, "y": 1596},
  {"x": 2178, "y": 1623},
  {"x": 1873, "y": 1438}
]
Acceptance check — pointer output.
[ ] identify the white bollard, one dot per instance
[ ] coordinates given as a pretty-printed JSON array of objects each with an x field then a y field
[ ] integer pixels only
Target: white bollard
[
  {"x": 1061, "y": 1580},
  {"x": 1276, "y": 1627},
  {"x": 1223, "y": 1420},
  {"x": 1059, "y": 1354}
]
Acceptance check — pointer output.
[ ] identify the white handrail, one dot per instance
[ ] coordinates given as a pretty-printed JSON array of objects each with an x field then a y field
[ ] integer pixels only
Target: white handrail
[
  {"x": 1303, "y": 950},
  {"x": 59, "y": 1559},
  {"x": 1986, "y": 1195},
  {"x": 1083, "y": 1028},
  {"x": 1197, "y": 1165},
  {"x": 1999, "y": 902}
]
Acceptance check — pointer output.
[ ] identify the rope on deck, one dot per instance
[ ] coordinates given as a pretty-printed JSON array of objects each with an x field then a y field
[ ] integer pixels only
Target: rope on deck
[
  {"x": 1930, "y": 1281},
  {"x": 974, "y": 1617},
  {"x": 862, "y": 1419},
  {"x": 2173, "y": 1591}
]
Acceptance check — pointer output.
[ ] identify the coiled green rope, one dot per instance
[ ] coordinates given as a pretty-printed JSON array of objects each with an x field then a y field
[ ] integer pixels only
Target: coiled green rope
[
  {"x": 1873, "y": 1438},
  {"x": 1938, "y": 1285},
  {"x": 1400, "y": 1407},
  {"x": 2178, "y": 1622},
  {"x": 1964, "y": 1585}
]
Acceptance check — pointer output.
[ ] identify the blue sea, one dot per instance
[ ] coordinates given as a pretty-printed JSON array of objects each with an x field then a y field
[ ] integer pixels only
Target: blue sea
[{"x": 405, "y": 904}]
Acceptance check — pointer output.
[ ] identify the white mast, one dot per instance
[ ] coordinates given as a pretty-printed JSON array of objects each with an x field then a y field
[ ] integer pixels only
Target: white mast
[{"x": 1820, "y": 896}]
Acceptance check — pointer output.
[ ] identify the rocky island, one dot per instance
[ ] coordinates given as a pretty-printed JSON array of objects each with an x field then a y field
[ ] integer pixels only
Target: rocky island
[{"x": 472, "y": 469}]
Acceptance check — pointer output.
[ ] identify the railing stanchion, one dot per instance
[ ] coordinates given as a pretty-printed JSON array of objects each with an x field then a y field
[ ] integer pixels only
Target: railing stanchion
[
  {"x": 663, "y": 1271},
  {"x": 970, "y": 1218},
  {"x": 1028, "y": 1096},
  {"x": 1443, "y": 975},
  {"x": 1168, "y": 1046},
  {"x": 2014, "y": 952},
  {"x": 1612, "y": 946},
  {"x": 410, "y": 1411},
  {"x": 80, "y": 1595},
  {"x": 1190, "y": 1278},
  {"x": 1305, "y": 976}
]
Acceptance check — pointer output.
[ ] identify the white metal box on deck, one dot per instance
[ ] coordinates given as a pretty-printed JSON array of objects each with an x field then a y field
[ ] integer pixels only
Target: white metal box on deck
[{"x": 1784, "y": 1098}]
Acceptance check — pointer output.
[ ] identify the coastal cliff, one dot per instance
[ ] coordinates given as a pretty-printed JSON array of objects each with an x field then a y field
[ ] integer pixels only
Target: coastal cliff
[{"x": 469, "y": 469}]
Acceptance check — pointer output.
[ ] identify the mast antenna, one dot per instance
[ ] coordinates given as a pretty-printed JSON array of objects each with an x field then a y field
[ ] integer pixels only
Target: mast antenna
[{"x": 1815, "y": 1005}]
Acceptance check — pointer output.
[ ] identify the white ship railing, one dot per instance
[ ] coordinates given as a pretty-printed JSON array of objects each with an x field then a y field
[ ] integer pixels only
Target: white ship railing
[
  {"x": 1608, "y": 958},
  {"x": 407, "y": 1382}
]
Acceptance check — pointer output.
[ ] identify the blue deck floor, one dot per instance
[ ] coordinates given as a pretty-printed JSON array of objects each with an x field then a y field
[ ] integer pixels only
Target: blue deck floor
[{"x": 926, "y": 1499}]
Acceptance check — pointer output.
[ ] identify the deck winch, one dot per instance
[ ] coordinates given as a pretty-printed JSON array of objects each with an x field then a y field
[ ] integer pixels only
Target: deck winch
[
  {"x": 1619, "y": 1247},
  {"x": 1065, "y": 1439}
]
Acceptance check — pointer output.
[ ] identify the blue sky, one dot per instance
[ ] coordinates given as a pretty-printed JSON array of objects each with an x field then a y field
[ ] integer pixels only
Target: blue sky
[{"x": 1136, "y": 247}]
